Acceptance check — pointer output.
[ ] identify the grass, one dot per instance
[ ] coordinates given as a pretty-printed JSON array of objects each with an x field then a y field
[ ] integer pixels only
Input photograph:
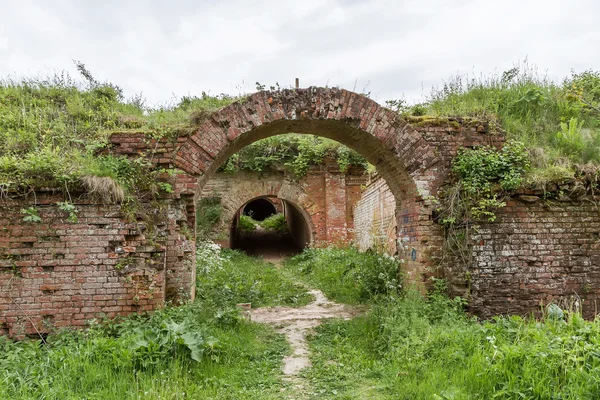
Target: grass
[
  {"x": 45, "y": 121},
  {"x": 558, "y": 122},
  {"x": 346, "y": 275},
  {"x": 407, "y": 346},
  {"x": 229, "y": 277}
]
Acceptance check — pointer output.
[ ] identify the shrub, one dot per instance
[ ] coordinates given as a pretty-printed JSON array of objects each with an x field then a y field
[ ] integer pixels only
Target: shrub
[
  {"x": 275, "y": 222},
  {"x": 347, "y": 275},
  {"x": 247, "y": 224}
]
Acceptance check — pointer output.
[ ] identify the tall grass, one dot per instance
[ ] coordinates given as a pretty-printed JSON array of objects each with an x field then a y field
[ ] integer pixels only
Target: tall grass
[
  {"x": 410, "y": 346},
  {"x": 558, "y": 121},
  {"x": 347, "y": 275}
]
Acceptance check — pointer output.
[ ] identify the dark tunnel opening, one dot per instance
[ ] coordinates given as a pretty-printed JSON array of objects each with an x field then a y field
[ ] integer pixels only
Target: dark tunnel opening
[
  {"x": 259, "y": 209},
  {"x": 279, "y": 235}
]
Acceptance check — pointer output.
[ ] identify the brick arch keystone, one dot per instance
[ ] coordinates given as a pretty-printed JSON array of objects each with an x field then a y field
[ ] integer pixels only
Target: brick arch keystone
[{"x": 402, "y": 156}]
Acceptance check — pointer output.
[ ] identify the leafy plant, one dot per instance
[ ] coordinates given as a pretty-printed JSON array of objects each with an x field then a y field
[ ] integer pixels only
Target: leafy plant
[
  {"x": 31, "y": 215},
  {"x": 275, "y": 222},
  {"x": 347, "y": 275},
  {"x": 151, "y": 346},
  {"x": 293, "y": 152},
  {"x": 247, "y": 224},
  {"x": 70, "y": 209}
]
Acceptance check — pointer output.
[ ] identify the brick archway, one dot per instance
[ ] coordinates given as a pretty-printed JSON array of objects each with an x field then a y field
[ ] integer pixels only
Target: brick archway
[
  {"x": 285, "y": 191},
  {"x": 298, "y": 205},
  {"x": 234, "y": 191},
  {"x": 401, "y": 154}
]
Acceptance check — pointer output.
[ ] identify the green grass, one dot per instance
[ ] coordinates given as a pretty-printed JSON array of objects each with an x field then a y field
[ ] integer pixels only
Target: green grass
[
  {"x": 346, "y": 275},
  {"x": 558, "y": 121},
  {"x": 46, "y": 121},
  {"x": 241, "y": 360},
  {"x": 412, "y": 349},
  {"x": 229, "y": 277},
  {"x": 410, "y": 346}
]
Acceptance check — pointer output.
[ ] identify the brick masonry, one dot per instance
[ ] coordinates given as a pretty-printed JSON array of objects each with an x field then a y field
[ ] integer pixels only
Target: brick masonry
[
  {"x": 326, "y": 209},
  {"x": 536, "y": 252},
  {"x": 375, "y": 218},
  {"x": 532, "y": 255},
  {"x": 57, "y": 274}
]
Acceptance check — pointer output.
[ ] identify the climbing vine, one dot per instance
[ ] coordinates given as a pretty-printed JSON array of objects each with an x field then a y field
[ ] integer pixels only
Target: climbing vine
[{"x": 483, "y": 178}]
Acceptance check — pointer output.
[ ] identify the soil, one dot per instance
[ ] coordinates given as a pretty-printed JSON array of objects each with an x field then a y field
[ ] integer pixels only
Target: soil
[{"x": 296, "y": 323}]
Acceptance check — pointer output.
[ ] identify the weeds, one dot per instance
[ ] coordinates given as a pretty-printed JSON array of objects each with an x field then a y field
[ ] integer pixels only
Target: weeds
[
  {"x": 559, "y": 122},
  {"x": 229, "y": 277},
  {"x": 347, "y": 275}
]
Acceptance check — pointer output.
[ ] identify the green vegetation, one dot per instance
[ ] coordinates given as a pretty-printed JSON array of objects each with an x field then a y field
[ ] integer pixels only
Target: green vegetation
[
  {"x": 427, "y": 348},
  {"x": 247, "y": 224},
  {"x": 347, "y": 275},
  {"x": 208, "y": 214},
  {"x": 293, "y": 152},
  {"x": 228, "y": 277},
  {"x": 276, "y": 223},
  {"x": 205, "y": 349},
  {"x": 44, "y": 122},
  {"x": 483, "y": 177},
  {"x": 558, "y": 122},
  {"x": 407, "y": 346}
]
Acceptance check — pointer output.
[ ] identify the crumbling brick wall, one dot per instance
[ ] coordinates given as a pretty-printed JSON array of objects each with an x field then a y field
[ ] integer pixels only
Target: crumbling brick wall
[
  {"x": 534, "y": 253},
  {"x": 57, "y": 273}
]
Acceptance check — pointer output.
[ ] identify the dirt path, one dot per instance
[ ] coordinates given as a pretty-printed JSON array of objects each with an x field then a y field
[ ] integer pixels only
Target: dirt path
[{"x": 296, "y": 323}]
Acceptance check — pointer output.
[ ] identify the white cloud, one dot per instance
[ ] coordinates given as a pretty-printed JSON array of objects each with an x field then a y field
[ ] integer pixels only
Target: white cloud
[{"x": 390, "y": 47}]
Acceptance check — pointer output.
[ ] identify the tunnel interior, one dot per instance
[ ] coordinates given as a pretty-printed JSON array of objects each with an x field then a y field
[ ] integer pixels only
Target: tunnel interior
[
  {"x": 276, "y": 235},
  {"x": 259, "y": 209}
]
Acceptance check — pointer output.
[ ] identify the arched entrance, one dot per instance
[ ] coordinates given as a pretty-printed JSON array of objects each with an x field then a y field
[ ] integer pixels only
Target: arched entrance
[
  {"x": 401, "y": 154},
  {"x": 259, "y": 209},
  {"x": 284, "y": 233}
]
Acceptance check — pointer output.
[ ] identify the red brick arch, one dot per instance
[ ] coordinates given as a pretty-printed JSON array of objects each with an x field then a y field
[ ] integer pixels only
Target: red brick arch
[
  {"x": 402, "y": 156},
  {"x": 235, "y": 200}
]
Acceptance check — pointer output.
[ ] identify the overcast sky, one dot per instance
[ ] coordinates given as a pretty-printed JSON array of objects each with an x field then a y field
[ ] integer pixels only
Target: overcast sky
[{"x": 390, "y": 48}]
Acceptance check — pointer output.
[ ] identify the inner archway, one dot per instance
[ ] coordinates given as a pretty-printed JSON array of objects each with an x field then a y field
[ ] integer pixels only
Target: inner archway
[
  {"x": 279, "y": 235},
  {"x": 259, "y": 209}
]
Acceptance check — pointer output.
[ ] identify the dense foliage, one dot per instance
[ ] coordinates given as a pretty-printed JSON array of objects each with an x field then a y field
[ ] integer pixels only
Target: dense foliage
[
  {"x": 276, "y": 223},
  {"x": 427, "y": 348},
  {"x": 347, "y": 275},
  {"x": 228, "y": 277},
  {"x": 44, "y": 123},
  {"x": 484, "y": 176},
  {"x": 293, "y": 152}
]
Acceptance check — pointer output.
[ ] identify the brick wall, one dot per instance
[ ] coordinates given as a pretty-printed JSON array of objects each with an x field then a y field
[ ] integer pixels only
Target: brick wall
[
  {"x": 326, "y": 207},
  {"x": 375, "y": 218},
  {"x": 534, "y": 254},
  {"x": 57, "y": 273}
]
